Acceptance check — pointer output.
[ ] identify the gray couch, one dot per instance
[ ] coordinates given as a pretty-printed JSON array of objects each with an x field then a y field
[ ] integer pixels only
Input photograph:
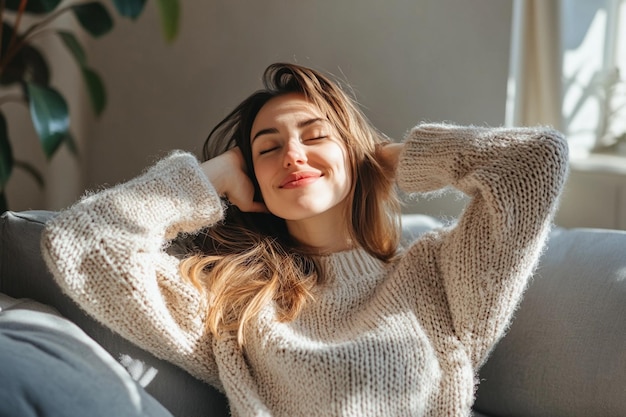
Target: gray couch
[{"x": 564, "y": 354}]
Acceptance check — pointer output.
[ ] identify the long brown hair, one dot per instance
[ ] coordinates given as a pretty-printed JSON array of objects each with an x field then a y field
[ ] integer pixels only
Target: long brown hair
[{"x": 249, "y": 259}]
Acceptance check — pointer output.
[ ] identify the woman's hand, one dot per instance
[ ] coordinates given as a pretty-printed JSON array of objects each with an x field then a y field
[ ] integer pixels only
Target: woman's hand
[
  {"x": 227, "y": 173},
  {"x": 388, "y": 156}
]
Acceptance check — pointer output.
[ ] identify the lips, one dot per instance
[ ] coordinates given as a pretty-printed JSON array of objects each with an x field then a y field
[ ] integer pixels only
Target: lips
[{"x": 299, "y": 179}]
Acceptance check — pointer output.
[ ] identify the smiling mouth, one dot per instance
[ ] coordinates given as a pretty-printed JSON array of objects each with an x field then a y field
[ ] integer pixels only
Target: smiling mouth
[{"x": 300, "y": 179}]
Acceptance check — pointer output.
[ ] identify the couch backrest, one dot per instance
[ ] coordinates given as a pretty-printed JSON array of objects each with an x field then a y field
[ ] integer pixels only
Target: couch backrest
[{"x": 564, "y": 354}]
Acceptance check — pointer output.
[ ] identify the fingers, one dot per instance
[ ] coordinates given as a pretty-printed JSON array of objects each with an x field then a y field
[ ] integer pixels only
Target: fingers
[
  {"x": 389, "y": 155},
  {"x": 228, "y": 175},
  {"x": 248, "y": 206},
  {"x": 241, "y": 193}
]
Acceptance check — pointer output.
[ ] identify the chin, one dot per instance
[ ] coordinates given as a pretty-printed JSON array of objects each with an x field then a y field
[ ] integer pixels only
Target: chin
[
  {"x": 306, "y": 208},
  {"x": 297, "y": 214}
]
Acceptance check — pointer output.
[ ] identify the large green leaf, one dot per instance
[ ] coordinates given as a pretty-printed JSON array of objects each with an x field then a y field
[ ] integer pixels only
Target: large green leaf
[
  {"x": 50, "y": 116},
  {"x": 94, "y": 18},
  {"x": 129, "y": 8},
  {"x": 27, "y": 64},
  {"x": 6, "y": 153},
  {"x": 170, "y": 18},
  {"x": 36, "y": 66},
  {"x": 95, "y": 88},
  {"x": 71, "y": 144},
  {"x": 34, "y": 6},
  {"x": 3, "y": 202},
  {"x": 77, "y": 50},
  {"x": 7, "y": 31}
]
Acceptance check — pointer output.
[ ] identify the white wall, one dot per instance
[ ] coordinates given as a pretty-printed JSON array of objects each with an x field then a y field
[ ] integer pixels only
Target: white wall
[{"x": 407, "y": 60}]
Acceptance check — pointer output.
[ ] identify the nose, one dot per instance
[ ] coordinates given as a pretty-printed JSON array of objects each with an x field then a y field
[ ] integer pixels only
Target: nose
[{"x": 295, "y": 153}]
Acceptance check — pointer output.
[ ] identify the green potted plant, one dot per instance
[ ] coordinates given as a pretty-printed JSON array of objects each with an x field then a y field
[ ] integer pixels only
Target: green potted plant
[{"x": 24, "y": 65}]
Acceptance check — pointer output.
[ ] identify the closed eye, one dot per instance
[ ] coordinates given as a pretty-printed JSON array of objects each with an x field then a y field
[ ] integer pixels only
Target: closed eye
[
  {"x": 264, "y": 151},
  {"x": 315, "y": 138}
]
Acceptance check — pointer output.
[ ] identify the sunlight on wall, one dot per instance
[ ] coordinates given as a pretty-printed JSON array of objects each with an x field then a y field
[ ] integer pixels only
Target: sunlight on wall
[
  {"x": 580, "y": 69},
  {"x": 593, "y": 86},
  {"x": 620, "y": 57}
]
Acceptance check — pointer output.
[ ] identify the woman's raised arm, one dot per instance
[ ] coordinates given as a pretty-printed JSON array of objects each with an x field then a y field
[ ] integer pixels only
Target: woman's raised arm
[
  {"x": 513, "y": 178},
  {"x": 107, "y": 252}
]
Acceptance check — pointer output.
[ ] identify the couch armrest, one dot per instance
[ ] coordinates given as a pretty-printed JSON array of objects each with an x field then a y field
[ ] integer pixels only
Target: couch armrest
[
  {"x": 23, "y": 274},
  {"x": 565, "y": 351}
]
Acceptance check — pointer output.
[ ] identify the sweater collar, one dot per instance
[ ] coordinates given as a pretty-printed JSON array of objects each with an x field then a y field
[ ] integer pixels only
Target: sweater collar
[{"x": 350, "y": 266}]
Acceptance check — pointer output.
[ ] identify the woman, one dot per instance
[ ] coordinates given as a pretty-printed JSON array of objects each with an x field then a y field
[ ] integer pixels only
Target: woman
[{"x": 295, "y": 297}]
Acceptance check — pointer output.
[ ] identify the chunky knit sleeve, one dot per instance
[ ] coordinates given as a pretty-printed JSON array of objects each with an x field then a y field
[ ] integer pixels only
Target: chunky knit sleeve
[
  {"x": 513, "y": 177},
  {"x": 107, "y": 252}
]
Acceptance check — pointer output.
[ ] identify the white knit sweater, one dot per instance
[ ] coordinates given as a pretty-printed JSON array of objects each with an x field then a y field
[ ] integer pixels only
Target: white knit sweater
[{"x": 399, "y": 339}]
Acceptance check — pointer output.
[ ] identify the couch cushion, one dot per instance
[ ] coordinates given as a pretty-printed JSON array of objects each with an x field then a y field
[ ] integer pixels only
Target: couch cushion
[
  {"x": 23, "y": 274},
  {"x": 52, "y": 368},
  {"x": 565, "y": 352}
]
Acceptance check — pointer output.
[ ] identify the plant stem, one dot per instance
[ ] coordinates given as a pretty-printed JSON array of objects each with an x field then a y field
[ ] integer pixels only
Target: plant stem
[
  {"x": 18, "y": 20},
  {"x": 46, "y": 20},
  {"x": 28, "y": 33},
  {"x": 11, "y": 49},
  {"x": 2, "y": 4}
]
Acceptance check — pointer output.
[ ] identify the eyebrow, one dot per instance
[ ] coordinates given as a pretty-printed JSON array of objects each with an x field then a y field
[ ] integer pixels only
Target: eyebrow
[{"x": 303, "y": 123}]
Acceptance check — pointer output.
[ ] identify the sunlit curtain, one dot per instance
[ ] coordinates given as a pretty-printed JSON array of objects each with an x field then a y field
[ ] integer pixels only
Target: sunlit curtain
[{"x": 535, "y": 87}]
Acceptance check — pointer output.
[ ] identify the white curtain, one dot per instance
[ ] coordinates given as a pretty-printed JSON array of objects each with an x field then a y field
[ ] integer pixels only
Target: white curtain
[{"x": 535, "y": 96}]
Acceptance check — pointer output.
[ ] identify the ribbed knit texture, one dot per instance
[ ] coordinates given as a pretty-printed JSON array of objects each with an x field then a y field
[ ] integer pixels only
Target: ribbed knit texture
[{"x": 398, "y": 339}]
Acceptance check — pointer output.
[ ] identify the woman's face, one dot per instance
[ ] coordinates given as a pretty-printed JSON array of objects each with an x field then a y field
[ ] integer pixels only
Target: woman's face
[{"x": 299, "y": 160}]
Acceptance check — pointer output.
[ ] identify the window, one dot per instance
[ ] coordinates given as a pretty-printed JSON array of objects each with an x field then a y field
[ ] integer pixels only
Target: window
[
  {"x": 568, "y": 69},
  {"x": 594, "y": 70}
]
